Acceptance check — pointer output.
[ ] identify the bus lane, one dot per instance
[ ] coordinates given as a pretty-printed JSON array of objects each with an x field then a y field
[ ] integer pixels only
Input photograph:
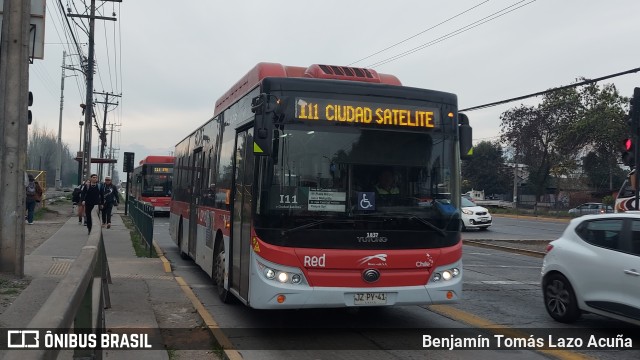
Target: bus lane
[{"x": 364, "y": 333}]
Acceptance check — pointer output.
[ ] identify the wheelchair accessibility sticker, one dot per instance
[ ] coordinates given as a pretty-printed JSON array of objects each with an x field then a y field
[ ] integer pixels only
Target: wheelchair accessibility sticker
[{"x": 366, "y": 201}]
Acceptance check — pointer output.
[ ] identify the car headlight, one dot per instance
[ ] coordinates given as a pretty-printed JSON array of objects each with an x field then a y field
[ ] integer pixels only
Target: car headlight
[{"x": 468, "y": 212}]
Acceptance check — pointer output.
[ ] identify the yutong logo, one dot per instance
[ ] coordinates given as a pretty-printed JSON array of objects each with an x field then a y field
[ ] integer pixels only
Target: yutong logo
[
  {"x": 372, "y": 238},
  {"x": 369, "y": 260}
]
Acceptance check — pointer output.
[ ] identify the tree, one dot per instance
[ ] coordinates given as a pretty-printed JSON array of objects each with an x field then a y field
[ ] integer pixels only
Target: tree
[
  {"x": 552, "y": 137},
  {"x": 486, "y": 170},
  {"x": 42, "y": 154},
  {"x": 600, "y": 174}
]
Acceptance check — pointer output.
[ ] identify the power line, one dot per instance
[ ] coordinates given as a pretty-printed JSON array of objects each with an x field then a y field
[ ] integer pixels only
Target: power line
[
  {"x": 420, "y": 33},
  {"x": 457, "y": 32},
  {"x": 585, "y": 82}
]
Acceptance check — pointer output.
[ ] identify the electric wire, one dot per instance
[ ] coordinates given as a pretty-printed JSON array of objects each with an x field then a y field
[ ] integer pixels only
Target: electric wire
[
  {"x": 585, "y": 82},
  {"x": 459, "y": 31},
  {"x": 420, "y": 33}
]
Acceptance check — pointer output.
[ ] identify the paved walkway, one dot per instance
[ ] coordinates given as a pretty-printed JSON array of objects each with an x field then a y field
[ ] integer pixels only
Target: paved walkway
[{"x": 138, "y": 283}]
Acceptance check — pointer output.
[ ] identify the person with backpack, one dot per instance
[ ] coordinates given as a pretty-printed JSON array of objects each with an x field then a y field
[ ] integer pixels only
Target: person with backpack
[
  {"x": 34, "y": 195},
  {"x": 90, "y": 197},
  {"x": 77, "y": 206},
  {"x": 109, "y": 199}
]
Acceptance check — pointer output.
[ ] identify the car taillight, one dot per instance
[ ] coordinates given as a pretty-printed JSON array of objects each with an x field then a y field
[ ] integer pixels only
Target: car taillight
[{"x": 549, "y": 247}]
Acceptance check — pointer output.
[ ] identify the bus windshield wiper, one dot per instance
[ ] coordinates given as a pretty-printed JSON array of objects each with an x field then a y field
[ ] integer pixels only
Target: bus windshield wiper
[
  {"x": 411, "y": 217},
  {"x": 318, "y": 222}
]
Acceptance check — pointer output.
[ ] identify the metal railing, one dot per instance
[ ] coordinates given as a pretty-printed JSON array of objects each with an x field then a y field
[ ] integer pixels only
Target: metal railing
[
  {"x": 142, "y": 215},
  {"x": 78, "y": 302}
]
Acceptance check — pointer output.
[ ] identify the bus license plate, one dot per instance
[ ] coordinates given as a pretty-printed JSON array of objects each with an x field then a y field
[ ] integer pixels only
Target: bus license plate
[{"x": 370, "y": 298}]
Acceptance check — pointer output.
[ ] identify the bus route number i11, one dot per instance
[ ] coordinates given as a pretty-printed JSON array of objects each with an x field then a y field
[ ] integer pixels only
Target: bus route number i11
[{"x": 288, "y": 199}]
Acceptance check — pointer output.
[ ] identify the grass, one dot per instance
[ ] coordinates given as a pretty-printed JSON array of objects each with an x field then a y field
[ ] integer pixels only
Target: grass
[{"x": 138, "y": 243}]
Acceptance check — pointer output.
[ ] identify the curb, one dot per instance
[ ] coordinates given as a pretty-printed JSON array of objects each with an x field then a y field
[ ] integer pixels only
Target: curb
[
  {"x": 533, "y": 253},
  {"x": 223, "y": 341},
  {"x": 165, "y": 263},
  {"x": 533, "y": 217}
]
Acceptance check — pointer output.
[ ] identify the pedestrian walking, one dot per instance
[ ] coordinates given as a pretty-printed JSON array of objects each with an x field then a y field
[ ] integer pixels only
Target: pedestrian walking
[
  {"x": 90, "y": 197},
  {"x": 34, "y": 195},
  {"x": 78, "y": 209},
  {"x": 109, "y": 199}
]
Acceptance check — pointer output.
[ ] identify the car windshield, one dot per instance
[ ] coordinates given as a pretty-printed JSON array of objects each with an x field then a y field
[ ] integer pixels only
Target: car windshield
[{"x": 467, "y": 203}]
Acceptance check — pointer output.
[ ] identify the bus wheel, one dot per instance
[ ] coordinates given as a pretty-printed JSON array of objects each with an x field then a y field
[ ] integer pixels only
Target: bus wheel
[
  {"x": 183, "y": 255},
  {"x": 219, "y": 272}
]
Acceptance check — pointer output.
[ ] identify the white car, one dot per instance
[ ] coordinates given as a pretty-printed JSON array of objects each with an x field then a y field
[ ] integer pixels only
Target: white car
[
  {"x": 474, "y": 216},
  {"x": 594, "y": 267}
]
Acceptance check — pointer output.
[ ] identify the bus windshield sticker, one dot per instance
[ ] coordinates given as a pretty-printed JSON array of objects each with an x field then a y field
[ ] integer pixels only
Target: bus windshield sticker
[
  {"x": 289, "y": 198},
  {"x": 366, "y": 201},
  {"x": 366, "y": 113},
  {"x": 327, "y": 200}
]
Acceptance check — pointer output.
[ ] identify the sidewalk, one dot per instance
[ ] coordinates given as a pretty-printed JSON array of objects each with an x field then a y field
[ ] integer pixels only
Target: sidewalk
[{"x": 139, "y": 284}]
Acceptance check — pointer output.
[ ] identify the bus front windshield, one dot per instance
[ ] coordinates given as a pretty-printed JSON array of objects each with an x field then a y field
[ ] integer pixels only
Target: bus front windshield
[
  {"x": 345, "y": 178},
  {"x": 157, "y": 181}
]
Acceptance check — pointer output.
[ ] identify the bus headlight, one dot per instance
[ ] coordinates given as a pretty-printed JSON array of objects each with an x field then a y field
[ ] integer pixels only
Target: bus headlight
[
  {"x": 282, "y": 276},
  {"x": 445, "y": 275},
  {"x": 269, "y": 274}
]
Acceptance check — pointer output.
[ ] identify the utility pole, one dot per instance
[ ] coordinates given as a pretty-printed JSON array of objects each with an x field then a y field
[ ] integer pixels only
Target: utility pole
[
  {"x": 59, "y": 152},
  {"x": 14, "y": 104},
  {"x": 103, "y": 131},
  {"x": 111, "y": 150},
  {"x": 88, "y": 114}
]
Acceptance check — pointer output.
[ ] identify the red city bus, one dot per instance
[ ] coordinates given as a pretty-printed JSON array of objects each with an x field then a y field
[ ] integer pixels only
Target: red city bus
[
  {"x": 152, "y": 181},
  {"x": 276, "y": 196}
]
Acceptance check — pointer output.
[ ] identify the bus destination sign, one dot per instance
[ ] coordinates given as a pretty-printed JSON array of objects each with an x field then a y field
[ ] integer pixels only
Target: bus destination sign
[{"x": 366, "y": 113}]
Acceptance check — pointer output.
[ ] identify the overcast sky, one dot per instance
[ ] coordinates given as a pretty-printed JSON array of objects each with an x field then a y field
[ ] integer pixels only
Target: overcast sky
[{"x": 171, "y": 60}]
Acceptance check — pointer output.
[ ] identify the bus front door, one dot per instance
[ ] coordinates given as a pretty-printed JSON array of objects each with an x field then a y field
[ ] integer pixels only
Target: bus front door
[
  {"x": 196, "y": 187},
  {"x": 243, "y": 199}
]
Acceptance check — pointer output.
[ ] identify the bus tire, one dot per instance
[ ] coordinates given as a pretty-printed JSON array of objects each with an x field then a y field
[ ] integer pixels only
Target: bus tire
[
  {"x": 219, "y": 272},
  {"x": 183, "y": 255}
]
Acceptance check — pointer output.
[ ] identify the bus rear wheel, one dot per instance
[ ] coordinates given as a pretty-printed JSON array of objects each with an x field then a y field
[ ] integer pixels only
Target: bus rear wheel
[{"x": 219, "y": 272}]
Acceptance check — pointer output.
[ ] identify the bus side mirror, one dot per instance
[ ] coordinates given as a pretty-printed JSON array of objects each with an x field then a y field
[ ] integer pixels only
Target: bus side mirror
[
  {"x": 268, "y": 109},
  {"x": 465, "y": 136},
  {"x": 262, "y": 138}
]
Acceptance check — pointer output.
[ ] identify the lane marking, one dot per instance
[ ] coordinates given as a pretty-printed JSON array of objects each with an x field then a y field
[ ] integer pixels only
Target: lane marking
[
  {"x": 165, "y": 263},
  {"x": 479, "y": 322},
  {"x": 222, "y": 339}
]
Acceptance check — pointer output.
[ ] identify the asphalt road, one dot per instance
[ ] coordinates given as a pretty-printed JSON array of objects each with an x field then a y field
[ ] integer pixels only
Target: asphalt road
[
  {"x": 520, "y": 228},
  {"x": 501, "y": 290}
]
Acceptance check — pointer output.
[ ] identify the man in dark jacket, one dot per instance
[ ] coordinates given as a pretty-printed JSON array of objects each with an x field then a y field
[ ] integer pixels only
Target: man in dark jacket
[
  {"x": 91, "y": 197},
  {"x": 109, "y": 199}
]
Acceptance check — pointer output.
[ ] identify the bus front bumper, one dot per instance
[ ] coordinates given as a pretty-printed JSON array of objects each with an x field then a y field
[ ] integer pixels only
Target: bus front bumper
[{"x": 270, "y": 294}]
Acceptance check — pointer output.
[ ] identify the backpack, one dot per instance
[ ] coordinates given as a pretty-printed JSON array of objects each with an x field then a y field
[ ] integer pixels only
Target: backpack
[
  {"x": 75, "y": 196},
  {"x": 108, "y": 194},
  {"x": 31, "y": 189}
]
